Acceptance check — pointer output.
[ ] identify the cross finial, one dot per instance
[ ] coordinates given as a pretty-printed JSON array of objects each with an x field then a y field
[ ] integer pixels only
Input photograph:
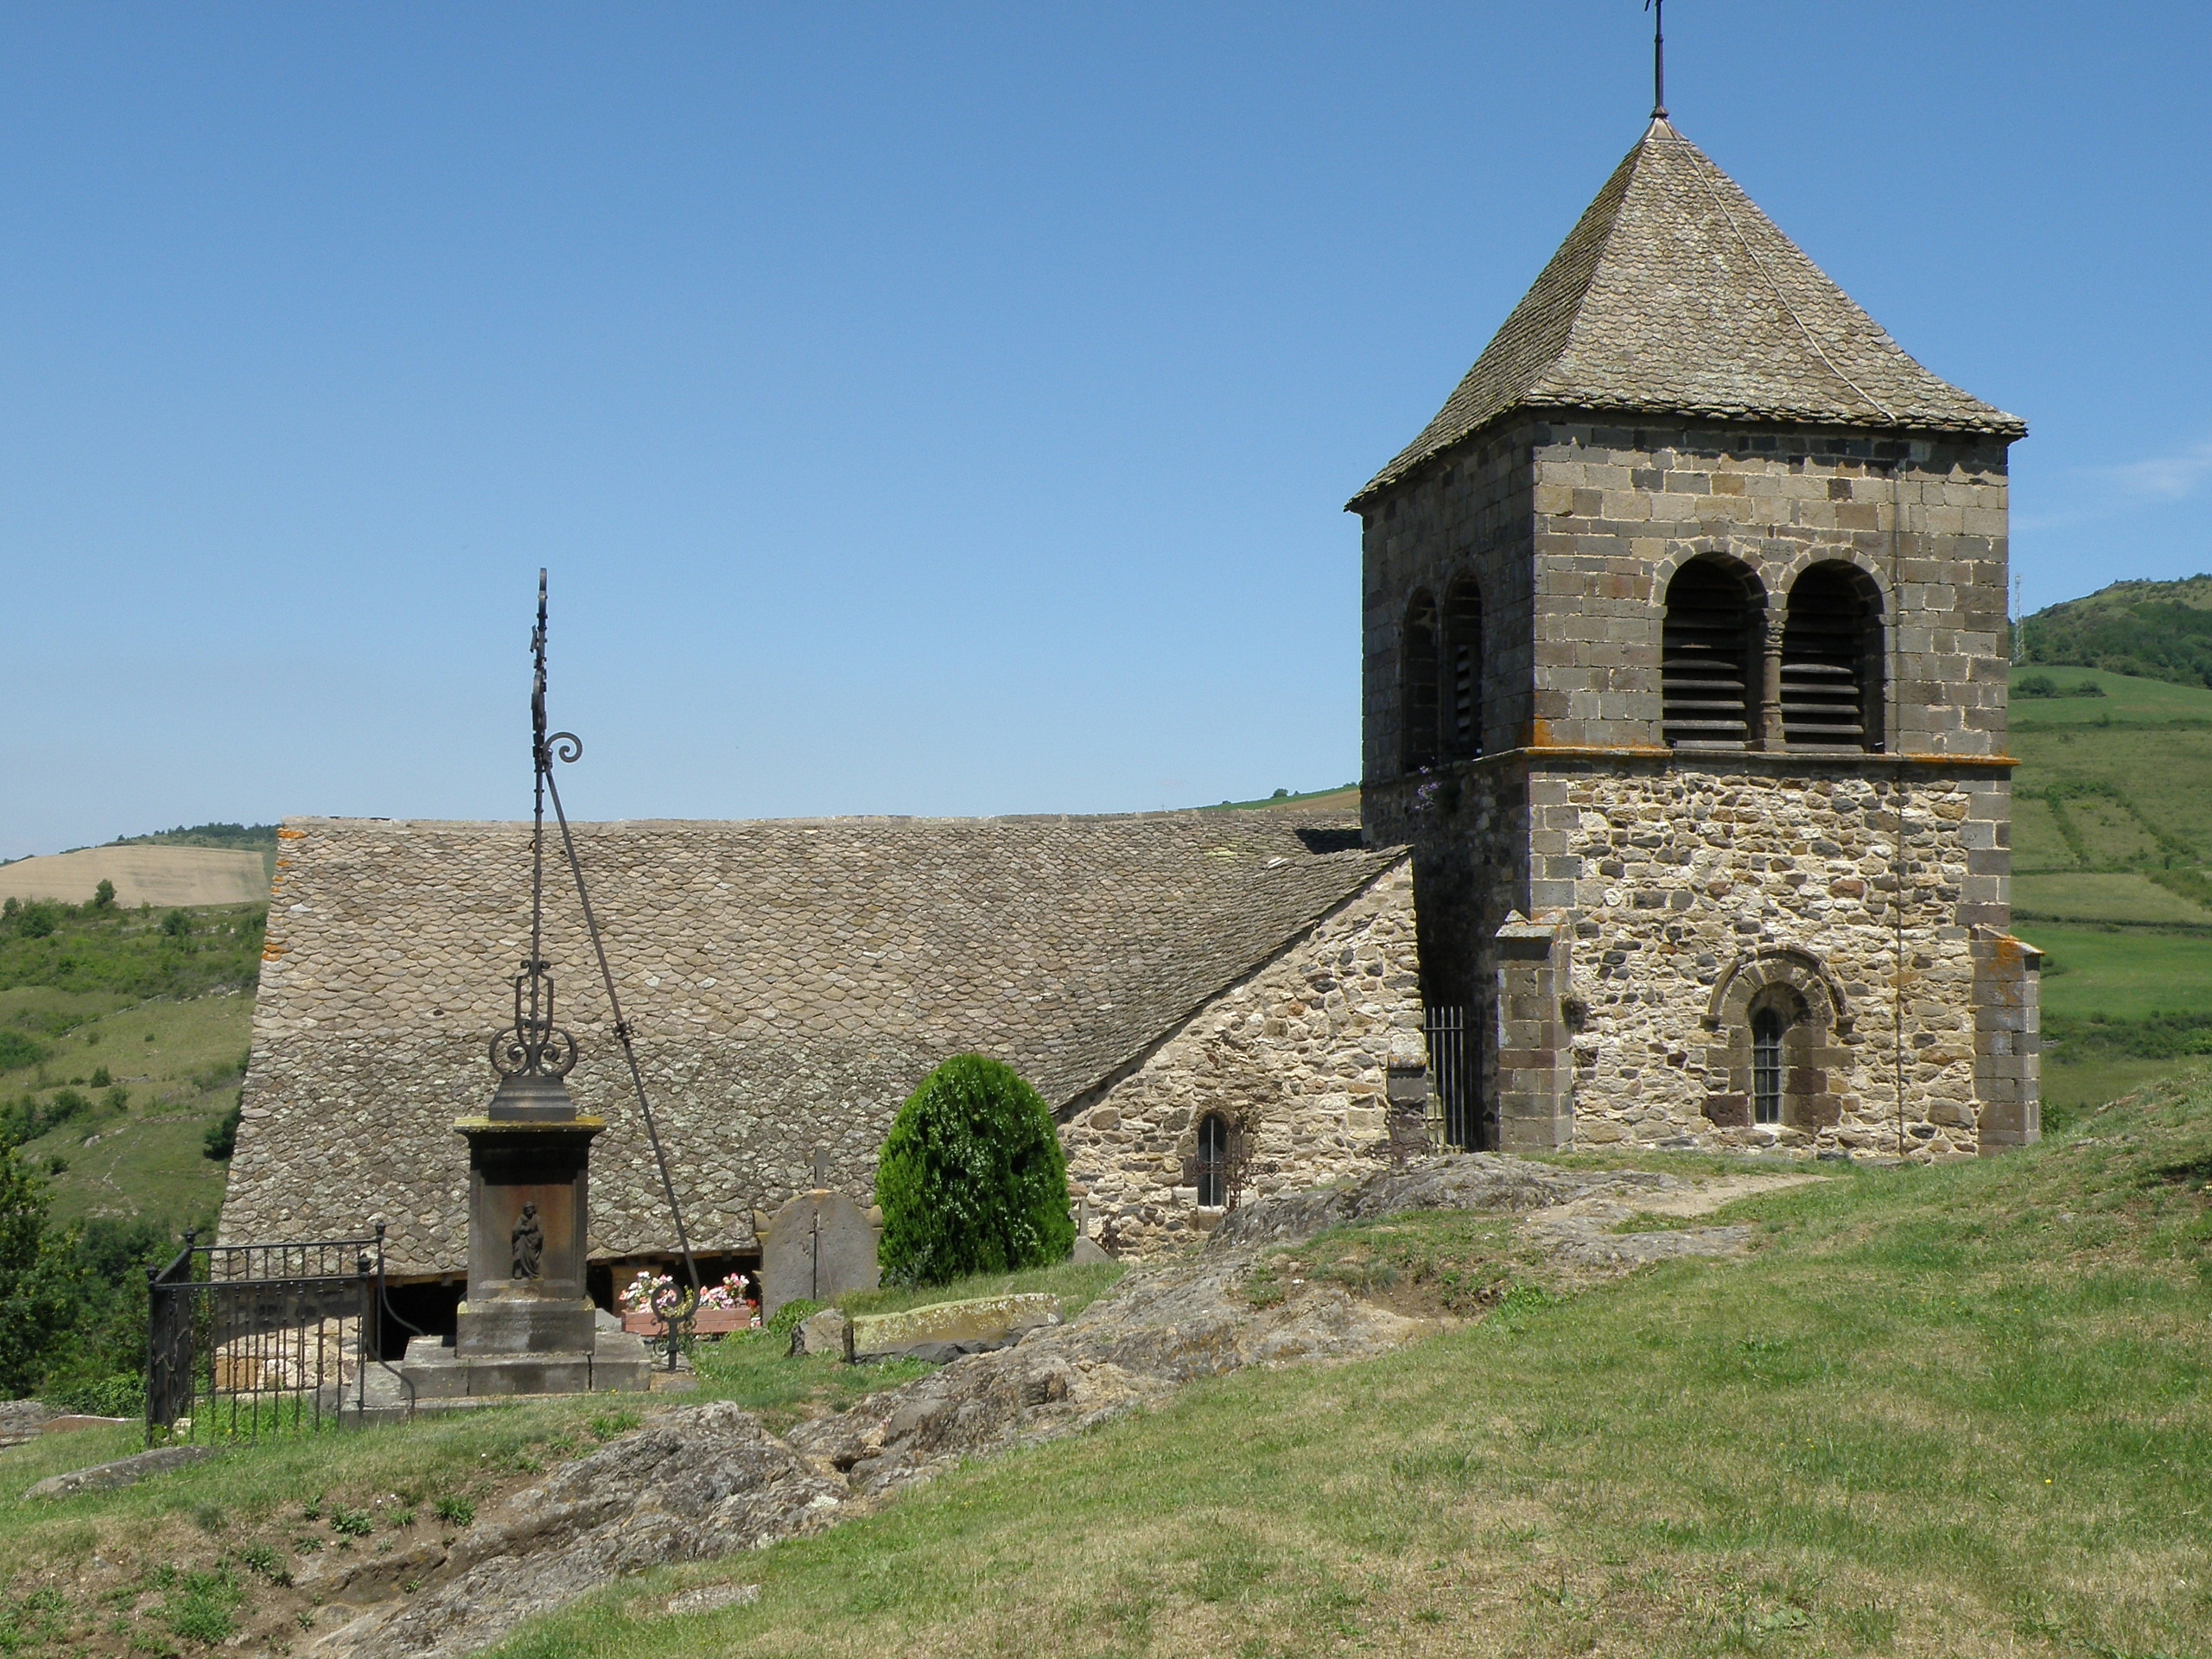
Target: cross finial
[{"x": 1658, "y": 11}]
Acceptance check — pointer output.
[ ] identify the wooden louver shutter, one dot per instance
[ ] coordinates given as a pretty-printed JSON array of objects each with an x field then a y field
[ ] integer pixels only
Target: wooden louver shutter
[{"x": 1705, "y": 660}]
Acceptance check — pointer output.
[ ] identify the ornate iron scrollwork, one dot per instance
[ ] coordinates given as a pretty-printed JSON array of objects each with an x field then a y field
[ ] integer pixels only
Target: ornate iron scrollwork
[{"x": 533, "y": 1046}]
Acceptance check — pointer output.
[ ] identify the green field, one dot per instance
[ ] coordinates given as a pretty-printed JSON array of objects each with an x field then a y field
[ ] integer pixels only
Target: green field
[
  {"x": 144, "y": 1021},
  {"x": 2111, "y": 838}
]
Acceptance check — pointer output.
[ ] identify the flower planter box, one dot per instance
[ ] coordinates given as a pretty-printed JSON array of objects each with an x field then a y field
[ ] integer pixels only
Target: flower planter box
[{"x": 706, "y": 1322}]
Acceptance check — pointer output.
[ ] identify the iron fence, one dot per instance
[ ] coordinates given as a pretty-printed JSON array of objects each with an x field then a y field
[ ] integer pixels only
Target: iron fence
[
  {"x": 243, "y": 1338},
  {"x": 1452, "y": 1061}
]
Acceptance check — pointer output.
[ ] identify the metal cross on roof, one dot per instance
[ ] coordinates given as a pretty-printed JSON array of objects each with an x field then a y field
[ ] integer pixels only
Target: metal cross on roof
[{"x": 1658, "y": 11}]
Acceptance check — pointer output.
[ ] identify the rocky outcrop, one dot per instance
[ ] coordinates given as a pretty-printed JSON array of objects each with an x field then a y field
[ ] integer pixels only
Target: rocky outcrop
[
  {"x": 702, "y": 1481},
  {"x": 705, "y": 1481}
]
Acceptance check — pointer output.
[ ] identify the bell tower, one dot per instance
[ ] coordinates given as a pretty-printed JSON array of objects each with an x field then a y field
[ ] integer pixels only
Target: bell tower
[{"x": 1684, "y": 627}]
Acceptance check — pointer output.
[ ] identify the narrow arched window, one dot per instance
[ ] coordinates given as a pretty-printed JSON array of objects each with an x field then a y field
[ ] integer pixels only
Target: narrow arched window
[
  {"x": 1832, "y": 661},
  {"x": 1767, "y": 1026},
  {"x": 1417, "y": 685},
  {"x": 1706, "y": 658},
  {"x": 1213, "y": 1162},
  {"x": 1462, "y": 691}
]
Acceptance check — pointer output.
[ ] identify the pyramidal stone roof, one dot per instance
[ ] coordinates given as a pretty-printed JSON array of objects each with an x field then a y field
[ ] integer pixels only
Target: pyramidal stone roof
[
  {"x": 790, "y": 981},
  {"x": 1675, "y": 295}
]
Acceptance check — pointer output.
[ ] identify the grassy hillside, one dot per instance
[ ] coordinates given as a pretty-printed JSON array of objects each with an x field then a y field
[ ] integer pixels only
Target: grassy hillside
[
  {"x": 1960, "y": 1410},
  {"x": 2154, "y": 630},
  {"x": 122, "y": 1041},
  {"x": 2112, "y": 858},
  {"x": 1345, "y": 797}
]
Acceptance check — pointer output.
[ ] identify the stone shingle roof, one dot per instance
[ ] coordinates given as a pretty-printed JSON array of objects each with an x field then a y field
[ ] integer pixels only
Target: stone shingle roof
[
  {"x": 790, "y": 981},
  {"x": 1675, "y": 295}
]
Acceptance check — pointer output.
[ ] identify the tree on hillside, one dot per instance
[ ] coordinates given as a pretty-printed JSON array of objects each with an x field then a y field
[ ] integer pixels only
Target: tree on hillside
[
  {"x": 972, "y": 1179},
  {"x": 38, "y": 1300},
  {"x": 103, "y": 895}
]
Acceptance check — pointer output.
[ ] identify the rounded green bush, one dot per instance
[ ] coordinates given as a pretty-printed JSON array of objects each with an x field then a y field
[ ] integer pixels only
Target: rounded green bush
[{"x": 972, "y": 1179}]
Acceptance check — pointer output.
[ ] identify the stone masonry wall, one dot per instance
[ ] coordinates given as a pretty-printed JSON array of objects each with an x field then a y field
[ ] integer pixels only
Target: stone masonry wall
[
  {"x": 1468, "y": 516},
  {"x": 1300, "y": 1051},
  {"x": 1682, "y": 874}
]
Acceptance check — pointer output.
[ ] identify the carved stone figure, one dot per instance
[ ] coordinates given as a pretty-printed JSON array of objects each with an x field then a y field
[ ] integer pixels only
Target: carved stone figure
[{"x": 529, "y": 1239}]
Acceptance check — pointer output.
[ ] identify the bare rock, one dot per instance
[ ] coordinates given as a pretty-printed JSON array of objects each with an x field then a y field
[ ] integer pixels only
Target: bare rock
[
  {"x": 1474, "y": 1180},
  {"x": 700, "y": 1483},
  {"x": 826, "y": 1332},
  {"x": 124, "y": 1471}
]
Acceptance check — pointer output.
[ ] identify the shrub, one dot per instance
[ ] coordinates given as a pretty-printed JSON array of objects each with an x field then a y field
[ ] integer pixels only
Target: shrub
[
  {"x": 177, "y": 925},
  {"x": 2036, "y": 685},
  {"x": 789, "y": 1316},
  {"x": 972, "y": 1178},
  {"x": 38, "y": 920},
  {"x": 103, "y": 895},
  {"x": 222, "y": 1137},
  {"x": 17, "y": 1051}
]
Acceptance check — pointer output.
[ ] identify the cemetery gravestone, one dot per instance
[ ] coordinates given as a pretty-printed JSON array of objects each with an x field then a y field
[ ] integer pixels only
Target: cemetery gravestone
[{"x": 818, "y": 1247}]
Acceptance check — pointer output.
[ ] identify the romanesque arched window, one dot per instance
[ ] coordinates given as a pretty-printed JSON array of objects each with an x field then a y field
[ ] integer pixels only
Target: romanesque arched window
[
  {"x": 1780, "y": 1057},
  {"x": 1767, "y": 1026},
  {"x": 1462, "y": 689},
  {"x": 1213, "y": 1162},
  {"x": 1708, "y": 656},
  {"x": 1832, "y": 660},
  {"x": 1417, "y": 686}
]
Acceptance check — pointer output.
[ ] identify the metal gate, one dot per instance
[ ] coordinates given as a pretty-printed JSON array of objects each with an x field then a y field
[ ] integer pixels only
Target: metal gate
[
  {"x": 243, "y": 1337},
  {"x": 1454, "y": 1063}
]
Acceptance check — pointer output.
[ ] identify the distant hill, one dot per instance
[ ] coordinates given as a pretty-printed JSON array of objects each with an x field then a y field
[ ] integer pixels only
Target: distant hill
[
  {"x": 252, "y": 837},
  {"x": 145, "y": 874},
  {"x": 2154, "y": 630}
]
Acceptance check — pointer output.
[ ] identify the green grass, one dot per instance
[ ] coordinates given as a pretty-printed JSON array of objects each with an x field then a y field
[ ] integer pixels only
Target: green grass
[
  {"x": 1960, "y": 1410},
  {"x": 2101, "y": 896},
  {"x": 2128, "y": 699},
  {"x": 1076, "y": 1287},
  {"x": 1346, "y": 796},
  {"x": 2122, "y": 975}
]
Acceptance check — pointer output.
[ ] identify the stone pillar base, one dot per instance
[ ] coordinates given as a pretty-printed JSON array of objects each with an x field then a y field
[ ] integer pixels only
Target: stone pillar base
[
  {"x": 1535, "y": 1054},
  {"x": 609, "y": 1360}
]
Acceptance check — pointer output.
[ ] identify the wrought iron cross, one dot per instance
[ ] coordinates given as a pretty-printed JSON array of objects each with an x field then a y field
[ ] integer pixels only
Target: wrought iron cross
[
  {"x": 534, "y": 1045},
  {"x": 1658, "y": 11}
]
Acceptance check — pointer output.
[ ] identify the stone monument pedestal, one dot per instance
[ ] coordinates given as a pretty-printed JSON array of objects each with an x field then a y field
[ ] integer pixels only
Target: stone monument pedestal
[{"x": 527, "y": 1326}]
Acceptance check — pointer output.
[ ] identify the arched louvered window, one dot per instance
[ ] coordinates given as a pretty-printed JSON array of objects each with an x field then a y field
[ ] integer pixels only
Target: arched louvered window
[
  {"x": 1706, "y": 657},
  {"x": 1213, "y": 1162},
  {"x": 1417, "y": 685},
  {"x": 1767, "y": 1026},
  {"x": 1462, "y": 690},
  {"x": 1832, "y": 661}
]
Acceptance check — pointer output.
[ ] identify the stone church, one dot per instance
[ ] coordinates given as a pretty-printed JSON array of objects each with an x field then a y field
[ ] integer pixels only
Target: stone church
[{"x": 1684, "y": 821}]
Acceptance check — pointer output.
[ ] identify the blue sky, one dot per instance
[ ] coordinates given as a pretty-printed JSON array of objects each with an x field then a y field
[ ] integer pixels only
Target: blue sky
[{"x": 932, "y": 409}]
